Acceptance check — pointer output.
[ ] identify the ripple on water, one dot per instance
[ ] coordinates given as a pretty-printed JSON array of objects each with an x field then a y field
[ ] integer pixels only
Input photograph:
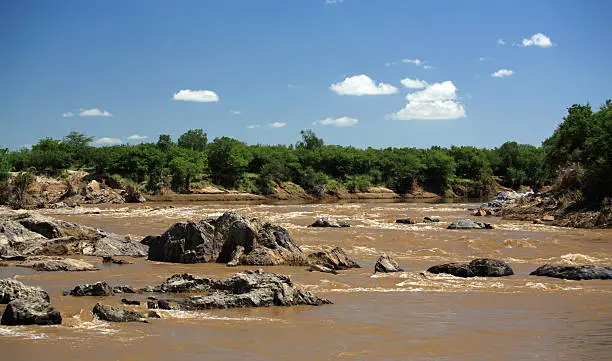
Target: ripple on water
[{"x": 23, "y": 332}]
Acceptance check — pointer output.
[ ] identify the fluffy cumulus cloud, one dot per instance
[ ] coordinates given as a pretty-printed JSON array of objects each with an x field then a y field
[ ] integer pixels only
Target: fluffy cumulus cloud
[
  {"x": 501, "y": 42},
  {"x": 436, "y": 101},
  {"x": 413, "y": 83},
  {"x": 253, "y": 126},
  {"x": 416, "y": 62},
  {"x": 137, "y": 137},
  {"x": 94, "y": 112},
  {"x": 501, "y": 73},
  {"x": 539, "y": 40},
  {"x": 68, "y": 114},
  {"x": 201, "y": 96},
  {"x": 338, "y": 122},
  {"x": 331, "y": 2},
  {"x": 362, "y": 85},
  {"x": 235, "y": 112},
  {"x": 278, "y": 124},
  {"x": 107, "y": 140}
]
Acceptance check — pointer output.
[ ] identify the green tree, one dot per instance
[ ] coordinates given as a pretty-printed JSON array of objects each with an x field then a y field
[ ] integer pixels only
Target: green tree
[
  {"x": 227, "y": 159},
  {"x": 194, "y": 139}
]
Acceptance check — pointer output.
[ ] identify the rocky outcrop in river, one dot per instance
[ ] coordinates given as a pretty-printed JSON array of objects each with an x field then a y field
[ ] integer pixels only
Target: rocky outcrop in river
[
  {"x": 114, "y": 314},
  {"x": 27, "y": 305},
  {"x": 585, "y": 272},
  {"x": 335, "y": 259},
  {"x": 469, "y": 224},
  {"x": 54, "y": 264},
  {"x": 481, "y": 267},
  {"x": 28, "y": 235},
  {"x": 330, "y": 223},
  {"x": 231, "y": 239},
  {"x": 387, "y": 264},
  {"x": 245, "y": 289}
]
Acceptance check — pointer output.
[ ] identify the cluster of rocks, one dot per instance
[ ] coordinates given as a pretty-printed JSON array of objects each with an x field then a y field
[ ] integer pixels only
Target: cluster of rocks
[
  {"x": 501, "y": 200},
  {"x": 23, "y": 236},
  {"x": 330, "y": 222},
  {"x": 26, "y": 305},
  {"x": 236, "y": 240}
]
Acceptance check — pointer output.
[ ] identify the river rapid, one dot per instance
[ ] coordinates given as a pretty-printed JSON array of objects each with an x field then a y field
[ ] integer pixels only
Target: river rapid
[{"x": 408, "y": 315}]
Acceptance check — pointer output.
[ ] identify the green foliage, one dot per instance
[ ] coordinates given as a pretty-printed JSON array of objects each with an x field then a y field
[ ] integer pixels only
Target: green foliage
[
  {"x": 164, "y": 142},
  {"x": 309, "y": 140},
  {"x": 248, "y": 183},
  {"x": 194, "y": 139},
  {"x": 227, "y": 159},
  {"x": 358, "y": 183}
]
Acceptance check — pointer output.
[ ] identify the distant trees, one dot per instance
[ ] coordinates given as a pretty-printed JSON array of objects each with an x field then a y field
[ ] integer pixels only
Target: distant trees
[{"x": 583, "y": 139}]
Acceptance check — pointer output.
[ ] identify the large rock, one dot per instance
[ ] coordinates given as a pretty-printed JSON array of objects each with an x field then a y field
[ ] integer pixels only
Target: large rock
[
  {"x": 94, "y": 289},
  {"x": 386, "y": 264},
  {"x": 247, "y": 289},
  {"x": 113, "y": 245},
  {"x": 335, "y": 259},
  {"x": 54, "y": 264},
  {"x": 29, "y": 311},
  {"x": 231, "y": 238},
  {"x": 185, "y": 242},
  {"x": 11, "y": 289},
  {"x": 114, "y": 314},
  {"x": 185, "y": 282},
  {"x": 15, "y": 239},
  {"x": 405, "y": 221},
  {"x": 330, "y": 222},
  {"x": 481, "y": 267},
  {"x": 584, "y": 272},
  {"x": 27, "y": 305},
  {"x": 469, "y": 224}
]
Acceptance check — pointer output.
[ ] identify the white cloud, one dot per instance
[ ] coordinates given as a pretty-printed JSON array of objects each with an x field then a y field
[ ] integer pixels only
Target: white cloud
[
  {"x": 278, "y": 124},
  {"x": 484, "y": 58},
  {"x": 253, "y": 126},
  {"x": 292, "y": 86},
  {"x": 501, "y": 41},
  {"x": 137, "y": 137},
  {"x": 538, "y": 39},
  {"x": 235, "y": 112},
  {"x": 416, "y": 62},
  {"x": 68, "y": 114},
  {"x": 338, "y": 122},
  {"x": 413, "y": 83},
  {"x": 328, "y": 2},
  {"x": 202, "y": 96},
  {"x": 502, "y": 73},
  {"x": 107, "y": 140},
  {"x": 428, "y": 67},
  {"x": 436, "y": 101},
  {"x": 94, "y": 112},
  {"x": 362, "y": 85}
]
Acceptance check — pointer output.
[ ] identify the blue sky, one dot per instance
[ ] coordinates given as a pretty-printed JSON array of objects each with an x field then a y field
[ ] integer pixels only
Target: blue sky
[{"x": 263, "y": 70}]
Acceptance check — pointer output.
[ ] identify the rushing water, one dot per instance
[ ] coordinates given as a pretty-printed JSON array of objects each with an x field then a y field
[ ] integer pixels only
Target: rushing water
[{"x": 403, "y": 316}]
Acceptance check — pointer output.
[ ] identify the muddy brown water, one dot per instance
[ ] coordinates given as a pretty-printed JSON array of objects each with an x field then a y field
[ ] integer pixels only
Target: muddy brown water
[{"x": 403, "y": 316}]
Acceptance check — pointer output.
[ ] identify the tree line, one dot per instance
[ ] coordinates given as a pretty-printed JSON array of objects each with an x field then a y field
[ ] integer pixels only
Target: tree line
[{"x": 583, "y": 138}]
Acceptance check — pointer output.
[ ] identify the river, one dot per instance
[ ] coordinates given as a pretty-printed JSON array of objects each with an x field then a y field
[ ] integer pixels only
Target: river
[{"x": 409, "y": 315}]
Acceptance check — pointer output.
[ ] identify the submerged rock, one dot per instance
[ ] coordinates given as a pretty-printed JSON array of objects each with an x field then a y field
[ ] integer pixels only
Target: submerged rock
[
  {"x": 94, "y": 289},
  {"x": 153, "y": 314},
  {"x": 185, "y": 282},
  {"x": 123, "y": 289},
  {"x": 387, "y": 264},
  {"x": 405, "y": 221},
  {"x": 244, "y": 289},
  {"x": 335, "y": 259},
  {"x": 584, "y": 272},
  {"x": 430, "y": 219},
  {"x": 481, "y": 267},
  {"x": 54, "y": 264},
  {"x": 114, "y": 314},
  {"x": 469, "y": 224},
  {"x": 125, "y": 301},
  {"x": 330, "y": 222},
  {"x": 323, "y": 269}
]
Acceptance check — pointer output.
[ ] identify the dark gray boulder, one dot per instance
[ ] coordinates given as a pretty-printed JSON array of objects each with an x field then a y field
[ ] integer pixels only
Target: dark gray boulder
[
  {"x": 153, "y": 314},
  {"x": 335, "y": 259},
  {"x": 469, "y": 224},
  {"x": 330, "y": 222},
  {"x": 114, "y": 314},
  {"x": 94, "y": 289},
  {"x": 387, "y": 264},
  {"x": 125, "y": 301},
  {"x": 405, "y": 221},
  {"x": 181, "y": 283},
  {"x": 113, "y": 245},
  {"x": 577, "y": 273},
  {"x": 123, "y": 289},
  {"x": 481, "y": 267},
  {"x": 30, "y": 311},
  {"x": 184, "y": 242},
  {"x": 430, "y": 219}
]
